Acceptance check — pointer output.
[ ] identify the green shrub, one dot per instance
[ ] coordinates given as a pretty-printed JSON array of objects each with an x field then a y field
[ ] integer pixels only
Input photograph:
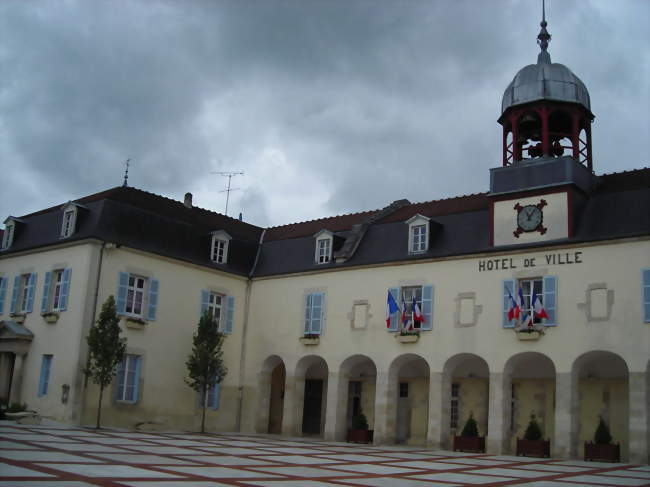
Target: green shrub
[
  {"x": 602, "y": 436},
  {"x": 533, "y": 431},
  {"x": 471, "y": 427},
  {"x": 359, "y": 422},
  {"x": 16, "y": 407}
]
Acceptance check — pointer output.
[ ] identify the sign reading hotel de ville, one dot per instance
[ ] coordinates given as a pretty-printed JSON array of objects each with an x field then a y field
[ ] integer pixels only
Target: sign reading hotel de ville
[{"x": 530, "y": 261}]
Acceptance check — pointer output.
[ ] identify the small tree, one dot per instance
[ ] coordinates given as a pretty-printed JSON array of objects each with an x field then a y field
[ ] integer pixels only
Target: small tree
[
  {"x": 205, "y": 364},
  {"x": 471, "y": 427},
  {"x": 602, "y": 436},
  {"x": 359, "y": 421},
  {"x": 533, "y": 431},
  {"x": 106, "y": 349}
]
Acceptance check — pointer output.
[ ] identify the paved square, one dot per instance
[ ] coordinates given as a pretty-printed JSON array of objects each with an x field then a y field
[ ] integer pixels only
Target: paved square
[{"x": 62, "y": 456}]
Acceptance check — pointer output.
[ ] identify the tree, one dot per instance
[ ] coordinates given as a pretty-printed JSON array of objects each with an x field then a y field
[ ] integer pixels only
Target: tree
[
  {"x": 106, "y": 349},
  {"x": 205, "y": 364},
  {"x": 533, "y": 431},
  {"x": 602, "y": 436},
  {"x": 471, "y": 427}
]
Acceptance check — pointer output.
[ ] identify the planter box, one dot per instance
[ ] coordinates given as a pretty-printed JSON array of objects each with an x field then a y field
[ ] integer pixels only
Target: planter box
[
  {"x": 407, "y": 338},
  {"x": 469, "y": 443},
  {"x": 134, "y": 325},
  {"x": 602, "y": 453},
  {"x": 360, "y": 436},
  {"x": 309, "y": 341},
  {"x": 19, "y": 319},
  {"x": 534, "y": 448},
  {"x": 51, "y": 319},
  {"x": 528, "y": 335}
]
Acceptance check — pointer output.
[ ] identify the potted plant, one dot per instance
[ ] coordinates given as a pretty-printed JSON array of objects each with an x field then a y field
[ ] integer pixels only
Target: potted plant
[
  {"x": 529, "y": 332},
  {"x": 359, "y": 433},
  {"x": 310, "y": 339},
  {"x": 408, "y": 336},
  {"x": 469, "y": 440},
  {"x": 50, "y": 317},
  {"x": 602, "y": 449},
  {"x": 135, "y": 323},
  {"x": 18, "y": 318},
  {"x": 533, "y": 444}
]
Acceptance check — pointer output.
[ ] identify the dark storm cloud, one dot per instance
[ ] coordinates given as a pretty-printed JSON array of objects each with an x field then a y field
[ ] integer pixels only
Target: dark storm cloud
[{"x": 328, "y": 106}]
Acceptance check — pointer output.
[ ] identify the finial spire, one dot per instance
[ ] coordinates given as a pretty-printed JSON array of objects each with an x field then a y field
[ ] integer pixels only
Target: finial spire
[
  {"x": 543, "y": 37},
  {"x": 126, "y": 173}
]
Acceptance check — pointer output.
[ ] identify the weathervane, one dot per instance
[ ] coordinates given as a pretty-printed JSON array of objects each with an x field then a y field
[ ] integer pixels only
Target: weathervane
[
  {"x": 126, "y": 173},
  {"x": 229, "y": 175},
  {"x": 543, "y": 37}
]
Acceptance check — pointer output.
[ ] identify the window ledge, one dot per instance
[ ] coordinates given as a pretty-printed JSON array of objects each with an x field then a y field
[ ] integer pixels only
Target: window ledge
[
  {"x": 407, "y": 338},
  {"x": 309, "y": 340},
  {"x": 50, "y": 317},
  {"x": 135, "y": 323},
  {"x": 18, "y": 318},
  {"x": 529, "y": 335}
]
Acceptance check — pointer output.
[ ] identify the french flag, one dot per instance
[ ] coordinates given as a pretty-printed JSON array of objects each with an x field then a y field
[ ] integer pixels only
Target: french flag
[
  {"x": 391, "y": 307},
  {"x": 404, "y": 317},
  {"x": 538, "y": 309},
  {"x": 417, "y": 314},
  {"x": 513, "y": 310}
]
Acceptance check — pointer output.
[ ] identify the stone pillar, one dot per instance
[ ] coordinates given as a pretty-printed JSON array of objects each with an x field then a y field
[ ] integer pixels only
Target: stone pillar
[
  {"x": 382, "y": 399},
  {"x": 566, "y": 416},
  {"x": 337, "y": 405},
  {"x": 294, "y": 393},
  {"x": 638, "y": 419},
  {"x": 436, "y": 401},
  {"x": 263, "y": 402},
  {"x": 17, "y": 379},
  {"x": 498, "y": 437}
]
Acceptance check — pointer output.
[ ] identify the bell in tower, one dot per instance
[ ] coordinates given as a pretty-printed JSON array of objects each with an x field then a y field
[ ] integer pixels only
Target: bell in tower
[{"x": 546, "y": 111}]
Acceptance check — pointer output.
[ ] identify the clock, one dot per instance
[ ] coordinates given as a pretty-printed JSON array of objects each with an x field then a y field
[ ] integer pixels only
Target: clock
[{"x": 530, "y": 218}]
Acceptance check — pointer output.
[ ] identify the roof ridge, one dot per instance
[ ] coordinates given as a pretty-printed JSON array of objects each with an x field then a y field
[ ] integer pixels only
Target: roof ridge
[
  {"x": 450, "y": 198},
  {"x": 324, "y": 218}
]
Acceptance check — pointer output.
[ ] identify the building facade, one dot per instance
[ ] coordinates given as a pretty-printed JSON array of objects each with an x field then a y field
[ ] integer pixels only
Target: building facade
[{"x": 530, "y": 299}]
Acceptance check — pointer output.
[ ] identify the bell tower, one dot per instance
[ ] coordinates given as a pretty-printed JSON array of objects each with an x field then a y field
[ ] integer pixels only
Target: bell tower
[{"x": 546, "y": 111}]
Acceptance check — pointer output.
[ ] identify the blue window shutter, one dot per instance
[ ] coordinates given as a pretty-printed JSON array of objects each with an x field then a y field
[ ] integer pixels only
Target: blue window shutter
[
  {"x": 308, "y": 299},
  {"x": 65, "y": 289},
  {"x": 31, "y": 288},
  {"x": 646, "y": 296},
  {"x": 136, "y": 379},
  {"x": 122, "y": 285},
  {"x": 153, "y": 299},
  {"x": 427, "y": 308},
  {"x": 3, "y": 293},
  {"x": 550, "y": 300},
  {"x": 46, "y": 292},
  {"x": 205, "y": 300},
  {"x": 121, "y": 378},
  {"x": 213, "y": 394},
  {"x": 44, "y": 379},
  {"x": 14, "y": 295},
  {"x": 508, "y": 291},
  {"x": 230, "y": 313},
  {"x": 395, "y": 317}
]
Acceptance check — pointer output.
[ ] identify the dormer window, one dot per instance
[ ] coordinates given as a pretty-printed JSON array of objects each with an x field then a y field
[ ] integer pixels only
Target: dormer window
[
  {"x": 69, "y": 222},
  {"x": 324, "y": 240},
  {"x": 10, "y": 232},
  {"x": 219, "y": 247},
  {"x": 418, "y": 234}
]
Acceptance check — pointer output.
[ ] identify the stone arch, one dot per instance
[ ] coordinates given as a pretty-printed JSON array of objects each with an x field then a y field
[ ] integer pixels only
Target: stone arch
[
  {"x": 602, "y": 380},
  {"x": 271, "y": 380},
  {"x": 358, "y": 377},
  {"x": 408, "y": 403},
  {"x": 529, "y": 382},
  {"x": 310, "y": 388},
  {"x": 465, "y": 390}
]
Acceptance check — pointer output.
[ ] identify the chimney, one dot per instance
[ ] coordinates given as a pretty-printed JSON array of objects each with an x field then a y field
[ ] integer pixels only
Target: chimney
[{"x": 188, "y": 200}]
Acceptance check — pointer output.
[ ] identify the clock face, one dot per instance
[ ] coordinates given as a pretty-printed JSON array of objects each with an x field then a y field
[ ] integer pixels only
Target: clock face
[{"x": 529, "y": 218}]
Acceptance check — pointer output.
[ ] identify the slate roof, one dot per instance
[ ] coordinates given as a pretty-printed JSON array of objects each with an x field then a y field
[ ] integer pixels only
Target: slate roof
[{"x": 618, "y": 207}]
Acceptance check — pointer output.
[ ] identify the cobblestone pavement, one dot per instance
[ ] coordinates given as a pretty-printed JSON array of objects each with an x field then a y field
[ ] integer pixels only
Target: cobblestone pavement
[{"x": 62, "y": 456}]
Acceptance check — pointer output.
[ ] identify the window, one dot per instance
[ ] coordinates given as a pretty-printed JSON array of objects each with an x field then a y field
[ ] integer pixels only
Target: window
[
  {"x": 222, "y": 308},
  {"x": 8, "y": 236},
  {"x": 128, "y": 378},
  {"x": 403, "y": 389},
  {"x": 44, "y": 381},
  {"x": 404, "y": 298},
  {"x": 219, "y": 249},
  {"x": 323, "y": 253},
  {"x": 645, "y": 300},
  {"x": 324, "y": 248},
  {"x": 454, "y": 405},
  {"x": 22, "y": 298},
  {"x": 314, "y": 313},
  {"x": 418, "y": 234},
  {"x": 137, "y": 296},
  {"x": 212, "y": 397},
  {"x": 3, "y": 293},
  {"x": 67, "y": 228},
  {"x": 544, "y": 288},
  {"x": 55, "y": 290}
]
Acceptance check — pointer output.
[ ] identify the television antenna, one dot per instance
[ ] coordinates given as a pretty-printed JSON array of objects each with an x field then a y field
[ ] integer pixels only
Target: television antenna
[
  {"x": 229, "y": 175},
  {"x": 127, "y": 163}
]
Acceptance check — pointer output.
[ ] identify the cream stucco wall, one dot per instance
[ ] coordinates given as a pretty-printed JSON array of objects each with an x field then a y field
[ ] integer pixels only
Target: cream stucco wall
[{"x": 64, "y": 339}]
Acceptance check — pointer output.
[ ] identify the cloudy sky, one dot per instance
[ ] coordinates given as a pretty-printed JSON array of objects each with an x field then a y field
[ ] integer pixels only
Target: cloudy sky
[{"x": 327, "y": 106}]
